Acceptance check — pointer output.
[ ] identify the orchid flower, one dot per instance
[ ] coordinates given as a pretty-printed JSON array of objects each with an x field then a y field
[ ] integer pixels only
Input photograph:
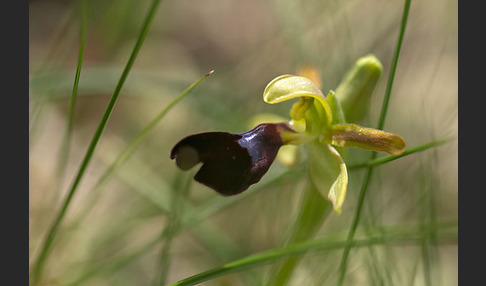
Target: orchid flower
[{"x": 233, "y": 162}]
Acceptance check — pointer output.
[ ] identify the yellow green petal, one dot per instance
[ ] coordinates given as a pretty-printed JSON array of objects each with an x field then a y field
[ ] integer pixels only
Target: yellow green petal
[
  {"x": 328, "y": 173},
  {"x": 287, "y": 87}
]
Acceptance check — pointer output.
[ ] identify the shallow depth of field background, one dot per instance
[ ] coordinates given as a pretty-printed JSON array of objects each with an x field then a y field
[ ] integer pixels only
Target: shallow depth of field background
[{"x": 247, "y": 44}]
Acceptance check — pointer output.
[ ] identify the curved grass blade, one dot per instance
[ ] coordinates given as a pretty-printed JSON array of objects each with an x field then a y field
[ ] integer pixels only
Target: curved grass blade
[
  {"x": 57, "y": 52},
  {"x": 123, "y": 157},
  {"x": 192, "y": 219},
  {"x": 313, "y": 211},
  {"x": 389, "y": 158},
  {"x": 51, "y": 234},
  {"x": 381, "y": 123},
  {"x": 132, "y": 147},
  {"x": 180, "y": 192},
  {"x": 65, "y": 145},
  {"x": 392, "y": 235}
]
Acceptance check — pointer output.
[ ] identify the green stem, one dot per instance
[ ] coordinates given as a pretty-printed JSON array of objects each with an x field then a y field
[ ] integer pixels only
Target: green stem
[
  {"x": 67, "y": 136},
  {"x": 123, "y": 157},
  {"x": 391, "y": 77},
  {"x": 391, "y": 235},
  {"x": 389, "y": 158},
  {"x": 129, "y": 150},
  {"x": 46, "y": 246},
  {"x": 354, "y": 225},
  {"x": 369, "y": 170},
  {"x": 313, "y": 211},
  {"x": 180, "y": 192},
  {"x": 37, "y": 102},
  {"x": 193, "y": 216}
]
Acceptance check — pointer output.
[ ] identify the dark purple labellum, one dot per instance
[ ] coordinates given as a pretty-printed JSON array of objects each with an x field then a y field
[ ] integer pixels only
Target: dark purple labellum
[{"x": 231, "y": 162}]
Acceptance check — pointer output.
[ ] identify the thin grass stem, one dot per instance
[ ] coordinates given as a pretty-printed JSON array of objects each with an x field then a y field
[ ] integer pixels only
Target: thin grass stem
[
  {"x": 313, "y": 211},
  {"x": 392, "y": 235},
  {"x": 180, "y": 192},
  {"x": 37, "y": 102},
  {"x": 381, "y": 123},
  {"x": 389, "y": 158},
  {"x": 193, "y": 216},
  {"x": 65, "y": 145},
  {"x": 51, "y": 234},
  {"x": 130, "y": 149},
  {"x": 424, "y": 208},
  {"x": 391, "y": 77}
]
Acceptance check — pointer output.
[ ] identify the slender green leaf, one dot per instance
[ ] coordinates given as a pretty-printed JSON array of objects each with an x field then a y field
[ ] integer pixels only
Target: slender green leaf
[
  {"x": 181, "y": 190},
  {"x": 381, "y": 123},
  {"x": 389, "y": 158},
  {"x": 52, "y": 232},
  {"x": 130, "y": 149},
  {"x": 65, "y": 145},
  {"x": 313, "y": 211},
  {"x": 392, "y": 235}
]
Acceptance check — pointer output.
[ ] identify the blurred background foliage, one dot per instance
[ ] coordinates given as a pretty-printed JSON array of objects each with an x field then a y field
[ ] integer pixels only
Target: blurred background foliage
[{"x": 111, "y": 235}]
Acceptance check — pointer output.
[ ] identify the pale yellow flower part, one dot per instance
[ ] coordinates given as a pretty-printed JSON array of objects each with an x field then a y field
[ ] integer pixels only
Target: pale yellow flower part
[{"x": 287, "y": 87}]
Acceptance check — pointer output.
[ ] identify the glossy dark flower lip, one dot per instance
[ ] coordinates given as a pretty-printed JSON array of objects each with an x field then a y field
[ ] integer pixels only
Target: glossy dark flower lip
[{"x": 231, "y": 162}]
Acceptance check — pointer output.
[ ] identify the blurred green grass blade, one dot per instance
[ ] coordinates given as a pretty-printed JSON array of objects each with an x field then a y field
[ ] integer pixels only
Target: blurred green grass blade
[
  {"x": 125, "y": 155},
  {"x": 427, "y": 200},
  {"x": 381, "y": 123},
  {"x": 62, "y": 42},
  {"x": 389, "y": 158},
  {"x": 383, "y": 272},
  {"x": 195, "y": 219},
  {"x": 425, "y": 208},
  {"x": 392, "y": 235},
  {"x": 217, "y": 204},
  {"x": 59, "y": 40},
  {"x": 65, "y": 145},
  {"x": 391, "y": 76},
  {"x": 313, "y": 211},
  {"x": 51, "y": 234},
  {"x": 180, "y": 191},
  {"x": 131, "y": 148},
  {"x": 59, "y": 50}
]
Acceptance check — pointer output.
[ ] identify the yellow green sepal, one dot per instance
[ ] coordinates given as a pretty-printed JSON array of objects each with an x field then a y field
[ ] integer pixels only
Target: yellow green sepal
[{"x": 353, "y": 135}]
